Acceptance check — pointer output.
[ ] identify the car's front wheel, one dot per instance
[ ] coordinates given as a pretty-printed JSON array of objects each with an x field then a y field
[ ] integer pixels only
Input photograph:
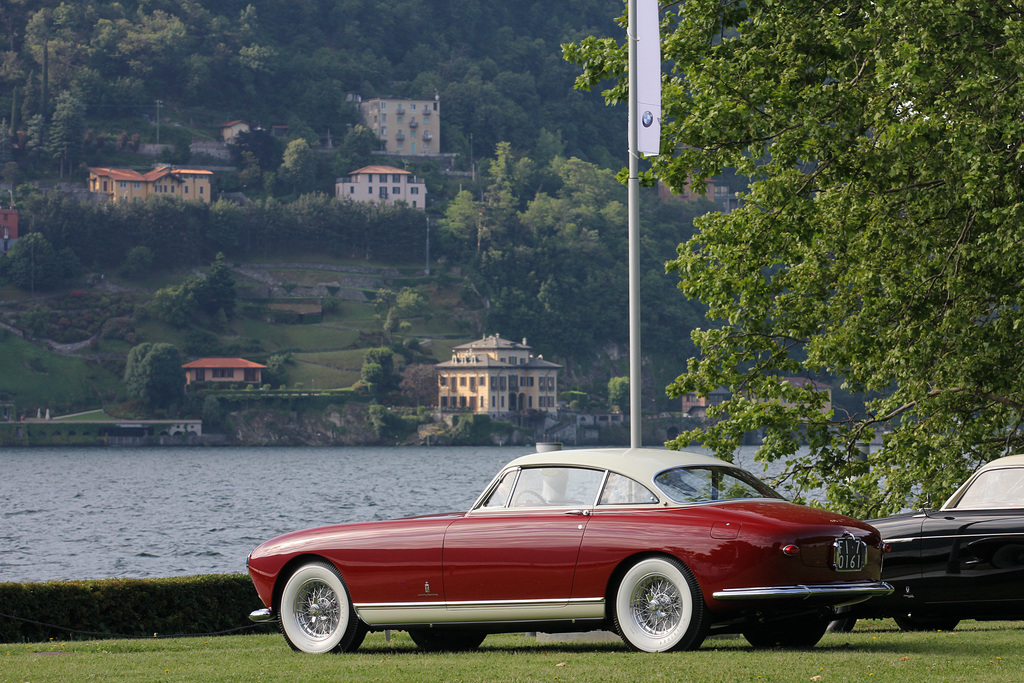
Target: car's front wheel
[
  {"x": 446, "y": 640},
  {"x": 659, "y": 607},
  {"x": 316, "y": 612}
]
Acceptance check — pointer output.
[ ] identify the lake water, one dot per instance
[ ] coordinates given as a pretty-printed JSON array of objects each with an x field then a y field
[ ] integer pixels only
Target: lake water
[{"x": 68, "y": 513}]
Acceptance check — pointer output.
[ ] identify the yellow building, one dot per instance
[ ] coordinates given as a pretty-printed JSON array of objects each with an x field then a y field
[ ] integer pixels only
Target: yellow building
[
  {"x": 496, "y": 376},
  {"x": 407, "y": 127},
  {"x": 124, "y": 184}
]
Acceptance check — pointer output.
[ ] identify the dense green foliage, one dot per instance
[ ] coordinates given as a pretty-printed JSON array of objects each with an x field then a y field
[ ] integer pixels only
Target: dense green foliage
[
  {"x": 99, "y": 66},
  {"x": 186, "y": 234},
  {"x": 33, "y": 264},
  {"x": 79, "y": 610},
  {"x": 548, "y": 246},
  {"x": 153, "y": 374},
  {"x": 880, "y": 243}
]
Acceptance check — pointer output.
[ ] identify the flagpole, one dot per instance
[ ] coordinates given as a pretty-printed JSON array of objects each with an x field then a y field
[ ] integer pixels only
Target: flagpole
[{"x": 635, "y": 381}]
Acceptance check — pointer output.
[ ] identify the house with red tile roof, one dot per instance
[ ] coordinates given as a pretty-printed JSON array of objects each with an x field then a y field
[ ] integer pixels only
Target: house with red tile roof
[
  {"x": 382, "y": 184},
  {"x": 125, "y": 184},
  {"x": 238, "y": 370}
]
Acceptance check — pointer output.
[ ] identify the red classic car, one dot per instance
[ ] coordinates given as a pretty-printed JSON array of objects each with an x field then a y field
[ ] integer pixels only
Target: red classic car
[{"x": 662, "y": 546}]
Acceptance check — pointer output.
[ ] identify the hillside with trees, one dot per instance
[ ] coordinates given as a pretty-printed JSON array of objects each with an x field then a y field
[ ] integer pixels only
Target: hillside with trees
[
  {"x": 85, "y": 83},
  {"x": 524, "y": 233},
  {"x": 309, "y": 286}
]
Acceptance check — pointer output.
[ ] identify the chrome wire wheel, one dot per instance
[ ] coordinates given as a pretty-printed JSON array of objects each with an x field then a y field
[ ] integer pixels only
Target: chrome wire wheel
[
  {"x": 316, "y": 609},
  {"x": 659, "y": 606},
  {"x": 656, "y": 606},
  {"x": 316, "y": 612}
]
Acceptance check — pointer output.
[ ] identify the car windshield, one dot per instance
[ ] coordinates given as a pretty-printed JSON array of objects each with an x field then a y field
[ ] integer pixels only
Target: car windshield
[
  {"x": 994, "y": 489},
  {"x": 703, "y": 484}
]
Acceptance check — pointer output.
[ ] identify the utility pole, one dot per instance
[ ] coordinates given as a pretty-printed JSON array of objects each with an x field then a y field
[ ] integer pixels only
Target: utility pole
[
  {"x": 633, "y": 195},
  {"x": 644, "y": 40}
]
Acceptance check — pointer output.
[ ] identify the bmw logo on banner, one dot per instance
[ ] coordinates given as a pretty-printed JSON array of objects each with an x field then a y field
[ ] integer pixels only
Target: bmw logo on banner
[{"x": 648, "y": 86}]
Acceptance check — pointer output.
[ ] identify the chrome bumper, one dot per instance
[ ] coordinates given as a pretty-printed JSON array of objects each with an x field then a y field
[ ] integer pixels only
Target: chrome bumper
[
  {"x": 261, "y": 616},
  {"x": 845, "y": 593}
]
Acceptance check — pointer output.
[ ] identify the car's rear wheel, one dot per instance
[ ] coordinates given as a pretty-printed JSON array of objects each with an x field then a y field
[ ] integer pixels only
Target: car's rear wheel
[
  {"x": 659, "y": 607},
  {"x": 842, "y": 625},
  {"x": 316, "y": 612},
  {"x": 913, "y": 623},
  {"x": 446, "y": 640},
  {"x": 799, "y": 632}
]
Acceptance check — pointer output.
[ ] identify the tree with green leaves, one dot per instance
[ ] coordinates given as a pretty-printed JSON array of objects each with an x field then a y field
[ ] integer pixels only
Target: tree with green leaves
[
  {"x": 218, "y": 291},
  {"x": 153, "y": 375},
  {"x": 379, "y": 369},
  {"x": 67, "y": 131},
  {"x": 879, "y": 242},
  {"x": 34, "y": 264},
  {"x": 6, "y": 149},
  {"x": 299, "y": 166},
  {"x": 618, "y": 393},
  {"x": 138, "y": 263}
]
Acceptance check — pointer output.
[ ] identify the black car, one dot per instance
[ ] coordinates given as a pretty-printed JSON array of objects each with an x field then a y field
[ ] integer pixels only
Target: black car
[{"x": 962, "y": 561}]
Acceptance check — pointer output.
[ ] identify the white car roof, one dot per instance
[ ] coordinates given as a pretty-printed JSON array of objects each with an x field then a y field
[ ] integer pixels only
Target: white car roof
[
  {"x": 998, "y": 463},
  {"x": 641, "y": 464},
  {"x": 1007, "y": 461}
]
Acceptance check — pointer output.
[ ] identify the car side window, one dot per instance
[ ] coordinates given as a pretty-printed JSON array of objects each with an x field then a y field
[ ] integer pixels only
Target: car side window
[
  {"x": 556, "y": 487},
  {"x": 702, "y": 484},
  {"x": 620, "y": 490},
  {"x": 994, "y": 489},
  {"x": 499, "y": 496}
]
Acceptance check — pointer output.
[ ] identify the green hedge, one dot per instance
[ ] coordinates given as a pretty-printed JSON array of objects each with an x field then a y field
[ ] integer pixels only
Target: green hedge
[{"x": 114, "y": 608}]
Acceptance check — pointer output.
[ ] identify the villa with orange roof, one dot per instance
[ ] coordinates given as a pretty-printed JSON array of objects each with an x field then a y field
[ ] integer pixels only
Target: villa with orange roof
[
  {"x": 124, "y": 184},
  {"x": 237, "y": 370},
  {"x": 382, "y": 184}
]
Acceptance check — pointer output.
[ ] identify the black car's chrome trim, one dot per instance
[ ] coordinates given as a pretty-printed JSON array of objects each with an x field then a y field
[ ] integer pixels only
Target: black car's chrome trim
[
  {"x": 262, "y": 615},
  {"x": 857, "y": 591},
  {"x": 976, "y": 534}
]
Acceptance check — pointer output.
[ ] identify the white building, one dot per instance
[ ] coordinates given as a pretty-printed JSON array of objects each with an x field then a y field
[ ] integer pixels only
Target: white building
[{"x": 382, "y": 184}]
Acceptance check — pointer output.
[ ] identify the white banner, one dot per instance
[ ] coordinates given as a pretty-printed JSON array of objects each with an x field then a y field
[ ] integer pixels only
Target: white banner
[{"x": 648, "y": 86}]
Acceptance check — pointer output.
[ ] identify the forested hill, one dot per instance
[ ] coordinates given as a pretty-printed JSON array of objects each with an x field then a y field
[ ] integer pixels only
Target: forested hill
[{"x": 495, "y": 65}]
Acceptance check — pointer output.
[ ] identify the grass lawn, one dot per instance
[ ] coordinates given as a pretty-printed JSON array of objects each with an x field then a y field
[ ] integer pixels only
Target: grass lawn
[
  {"x": 314, "y": 277},
  {"x": 350, "y": 359},
  {"x": 38, "y": 377},
  {"x": 319, "y": 377},
  {"x": 276, "y": 337},
  {"x": 980, "y": 651}
]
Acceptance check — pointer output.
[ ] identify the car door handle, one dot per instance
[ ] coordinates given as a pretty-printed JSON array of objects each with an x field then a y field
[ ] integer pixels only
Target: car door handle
[{"x": 585, "y": 513}]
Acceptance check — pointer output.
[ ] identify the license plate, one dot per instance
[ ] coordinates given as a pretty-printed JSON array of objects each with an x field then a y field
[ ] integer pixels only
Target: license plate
[{"x": 849, "y": 554}]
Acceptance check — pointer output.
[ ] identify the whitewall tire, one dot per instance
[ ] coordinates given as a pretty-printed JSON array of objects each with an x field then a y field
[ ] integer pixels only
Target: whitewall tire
[
  {"x": 659, "y": 607},
  {"x": 316, "y": 612}
]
